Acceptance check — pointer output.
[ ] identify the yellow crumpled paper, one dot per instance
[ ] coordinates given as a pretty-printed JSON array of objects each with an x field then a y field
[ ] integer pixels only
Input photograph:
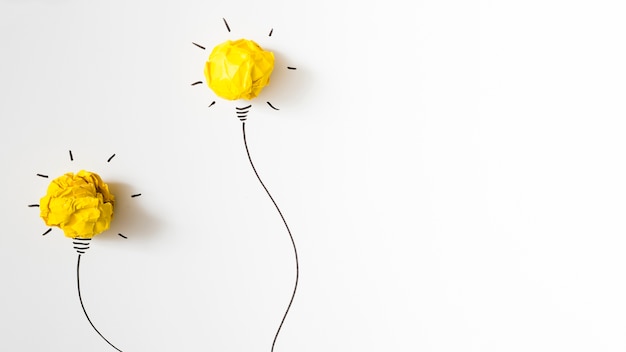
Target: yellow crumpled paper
[
  {"x": 80, "y": 204},
  {"x": 238, "y": 69}
]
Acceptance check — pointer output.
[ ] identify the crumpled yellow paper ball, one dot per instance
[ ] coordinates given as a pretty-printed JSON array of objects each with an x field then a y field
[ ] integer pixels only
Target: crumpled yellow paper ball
[
  {"x": 238, "y": 69},
  {"x": 80, "y": 204}
]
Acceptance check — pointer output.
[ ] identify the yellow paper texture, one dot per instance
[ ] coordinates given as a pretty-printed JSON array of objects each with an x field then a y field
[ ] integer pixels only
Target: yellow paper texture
[
  {"x": 238, "y": 69},
  {"x": 80, "y": 204}
]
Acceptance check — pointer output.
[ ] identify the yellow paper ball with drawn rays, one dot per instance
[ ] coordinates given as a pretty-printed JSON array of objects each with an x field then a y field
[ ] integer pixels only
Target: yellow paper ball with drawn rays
[{"x": 239, "y": 69}]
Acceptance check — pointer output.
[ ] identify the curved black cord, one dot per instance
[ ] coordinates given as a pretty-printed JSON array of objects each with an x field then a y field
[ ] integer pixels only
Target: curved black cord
[
  {"x": 80, "y": 298},
  {"x": 295, "y": 250}
]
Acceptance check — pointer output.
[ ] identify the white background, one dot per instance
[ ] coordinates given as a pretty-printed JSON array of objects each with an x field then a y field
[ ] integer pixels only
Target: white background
[{"x": 452, "y": 171}]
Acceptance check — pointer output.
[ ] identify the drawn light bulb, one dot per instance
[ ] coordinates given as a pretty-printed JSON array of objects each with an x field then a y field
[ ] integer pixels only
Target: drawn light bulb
[
  {"x": 240, "y": 69},
  {"x": 81, "y": 205}
]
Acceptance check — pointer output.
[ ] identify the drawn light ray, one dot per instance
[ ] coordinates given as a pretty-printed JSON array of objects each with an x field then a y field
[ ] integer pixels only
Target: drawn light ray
[
  {"x": 199, "y": 46},
  {"x": 272, "y": 106},
  {"x": 227, "y": 26}
]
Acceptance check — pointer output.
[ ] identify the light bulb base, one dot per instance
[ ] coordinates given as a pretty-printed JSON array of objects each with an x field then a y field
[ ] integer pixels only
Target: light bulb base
[
  {"x": 81, "y": 245},
  {"x": 242, "y": 113}
]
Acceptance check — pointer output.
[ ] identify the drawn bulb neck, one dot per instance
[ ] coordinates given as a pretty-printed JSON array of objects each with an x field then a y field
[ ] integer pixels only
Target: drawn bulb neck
[{"x": 81, "y": 245}]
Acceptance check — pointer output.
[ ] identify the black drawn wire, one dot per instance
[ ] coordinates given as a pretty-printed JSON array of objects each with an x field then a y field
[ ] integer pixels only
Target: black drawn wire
[
  {"x": 109, "y": 159},
  {"x": 293, "y": 243},
  {"x": 80, "y": 298},
  {"x": 71, "y": 156}
]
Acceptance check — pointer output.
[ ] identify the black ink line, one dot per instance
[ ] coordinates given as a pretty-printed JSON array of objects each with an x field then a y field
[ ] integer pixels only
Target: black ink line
[
  {"x": 42, "y": 175},
  {"x": 119, "y": 234},
  {"x": 213, "y": 103},
  {"x": 47, "y": 232},
  {"x": 135, "y": 195},
  {"x": 291, "y": 68},
  {"x": 80, "y": 298},
  {"x": 33, "y": 205},
  {"x": 109, "y": 159},
  {"x": 71, "y": 156},
  {"x": 271, "y": 31},
  {"x": 272, "y": 106},
  {"x": 293, "y": 243},
  {"x": 81, "y": 247},
  {"x": 196, "y": 83},
  {"x": 80, "y": 252},
  {"x": 199, "y": 46},
  {"x": 244, "y": 108},
  {"x": 242, "y": 112},
  {"x": 226, "y": 23}
]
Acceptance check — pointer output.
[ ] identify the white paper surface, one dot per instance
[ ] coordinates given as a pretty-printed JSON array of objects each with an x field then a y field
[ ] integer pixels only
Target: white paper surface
[{"x": 452, "y": 173}]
